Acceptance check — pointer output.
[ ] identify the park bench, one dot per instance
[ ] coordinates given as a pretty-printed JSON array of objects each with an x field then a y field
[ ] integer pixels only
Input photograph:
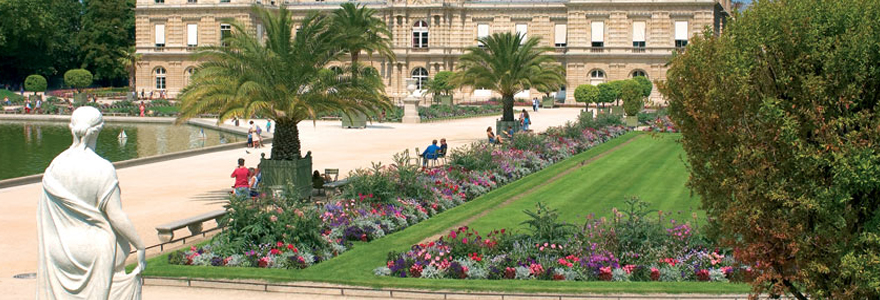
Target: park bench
[
  {"x": 330, "y": 118},
  {"x": 166, "y": 231}
]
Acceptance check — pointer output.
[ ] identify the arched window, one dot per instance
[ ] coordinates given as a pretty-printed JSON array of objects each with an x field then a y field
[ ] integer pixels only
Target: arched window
[
  {"x": 187, "y": 75},
  {"x": 160, "y": 78},
  {"x": 597, "y": 76},
  {"x": 420, "y": 34},
  {"x": 638, "y": 73},
  {"x": 336, "y": 70},
  {"x": 421, "y": 77}
]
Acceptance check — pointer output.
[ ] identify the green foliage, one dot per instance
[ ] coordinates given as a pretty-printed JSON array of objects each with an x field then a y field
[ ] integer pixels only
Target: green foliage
[
  {"x": 78, "y": 78},
  {"x": 779, "y": 121},
  {"x": 440, "y": 84},
  {"x": 475, "y": 156},
  {"x": 38, "y": 37},
  {"x": 107, "y": 32},
  {"x": 633, "y": 96},
  {"x": 507, "y": 65},
  {"x": 371, "y": 182},
  {"x": 646, "y": 84},
  {"x": 545, "y": 227},
  {"x": 35, "y": 83},
  {"x": 607, "y": 93},
  {"x": 586, "y": 93},
  {"x": 247, "y": 222},
  {"x": 241, "y": 79}
]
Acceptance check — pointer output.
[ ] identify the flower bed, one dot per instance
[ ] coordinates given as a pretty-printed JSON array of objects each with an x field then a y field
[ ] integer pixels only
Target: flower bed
[
  {"x": 662, "y": 124},
  {"x": 435, "y": 112},
  {"x": 626, "y": 247},
  {"x": 281, "y": 232}
]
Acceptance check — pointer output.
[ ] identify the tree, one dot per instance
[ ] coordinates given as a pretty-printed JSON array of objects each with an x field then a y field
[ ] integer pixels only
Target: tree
[
  {"x": 779, "y": 122},
  {"x": 633, "y": 95},
  {"x": 241, "y": 79},
  {"x": 616, "y": 87},
  {"x": 360, "y": 30},
  {"x": 646, "y": 84},
  {"x": 78, "y": 79},
  {"x": 440, "y": 84},
  {"x": 35, "y": 83},
  {"x": 37, "y": 37},
  {"x": 586, "y": 93},
  {"x": 128, "y": 59},
  {"x": 607, "y": 93},
  {"x": 507, "y": 65},
  {"x": 107, "y": 31}
]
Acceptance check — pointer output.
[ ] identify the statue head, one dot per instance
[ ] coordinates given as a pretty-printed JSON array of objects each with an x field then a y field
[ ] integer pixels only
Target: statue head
[{"x": 85, "y": 124}]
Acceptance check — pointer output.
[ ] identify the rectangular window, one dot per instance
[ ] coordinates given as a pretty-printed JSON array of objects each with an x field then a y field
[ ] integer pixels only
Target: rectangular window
[
  {"x": 192, "y": 1},
  {"x": 639, "y": 36},
  {"x": 160, "y": 82},
  {"x": 160, "y": 1},
  {"x": 482, "y": 31},
  {"x": 224, "y": 1},
  {"x": 160, "y": 35},
  {"x": 560, "y": 38},
  {"x": 681, "y": 33},
  {"x": 192, "y": 35},
  {"x": 225, "y": 32},
  {"x": 523, "y": 29},
  {"x": 597, "y": 32}
]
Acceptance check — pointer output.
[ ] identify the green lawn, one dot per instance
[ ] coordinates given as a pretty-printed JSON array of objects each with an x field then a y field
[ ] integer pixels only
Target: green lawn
[
  {"x": 12, "y": 96},
  {"x": 355, "y": 267},
  {"x": 650, "y": 168}
]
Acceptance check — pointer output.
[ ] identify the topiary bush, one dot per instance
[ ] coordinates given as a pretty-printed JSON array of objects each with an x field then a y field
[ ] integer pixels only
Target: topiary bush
[
  {"x": 78, "y": 79},
  {"x": 586, "y": 93},
  {"x": 35, "y": 83}
]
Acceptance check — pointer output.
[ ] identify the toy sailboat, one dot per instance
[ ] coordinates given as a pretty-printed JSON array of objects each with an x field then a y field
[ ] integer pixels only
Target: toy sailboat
[
  {"x": 122, "y": 135},
  {"x": 202, "y": 134}
]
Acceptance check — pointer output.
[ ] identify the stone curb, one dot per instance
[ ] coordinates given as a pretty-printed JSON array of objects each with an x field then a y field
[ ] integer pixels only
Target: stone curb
[
  {"x": 205, "y": 123},
  {"x": 314, "y": 288}
]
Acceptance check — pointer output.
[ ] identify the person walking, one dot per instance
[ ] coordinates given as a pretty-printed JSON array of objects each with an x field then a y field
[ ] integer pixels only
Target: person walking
[
  {"x": 142, "y": 107},
  {"x": 268, "y": 126},
  {"x": 535, "y": 104},
  {"x": 526, "y": 120},
  {"x": 37, "y": 108},
  {"x": 27, "y": 106},
  {"x": 251, "y": 131}
]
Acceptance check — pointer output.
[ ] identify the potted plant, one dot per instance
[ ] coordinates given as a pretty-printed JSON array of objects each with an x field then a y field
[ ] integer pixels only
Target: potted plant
[
  {"x": 240, "y": 80},
  {"x": 440, "y": 88},
  {"x": 508, "y": 64},
  {"x": 633, "y": 97}
]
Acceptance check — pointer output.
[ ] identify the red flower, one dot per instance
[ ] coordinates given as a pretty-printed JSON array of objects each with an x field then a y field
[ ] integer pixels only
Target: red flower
[
  {"x": 558, "y": 277},
  {"x": 655, "y": 274},
  {"x": 275, "y": 251},
  {"x": 290, "y": 247},
  {"x": 280, "y": 244}
]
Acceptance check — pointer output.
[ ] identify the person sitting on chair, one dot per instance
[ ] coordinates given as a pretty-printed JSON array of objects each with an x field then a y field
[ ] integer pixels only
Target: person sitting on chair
[
  {"x": 443, "y": 148},
  {"x": 492, "y": 138},
  {"x": 508, "y": 133},
  {"x": 430, "y": 153}
]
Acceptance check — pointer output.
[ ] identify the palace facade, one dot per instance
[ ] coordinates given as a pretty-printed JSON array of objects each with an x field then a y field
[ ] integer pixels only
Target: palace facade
[{"x": 595, "y": 40}]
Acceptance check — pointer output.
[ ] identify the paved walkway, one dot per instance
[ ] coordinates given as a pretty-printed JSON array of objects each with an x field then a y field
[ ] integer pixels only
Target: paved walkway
[{"x": 162, "y": 192}]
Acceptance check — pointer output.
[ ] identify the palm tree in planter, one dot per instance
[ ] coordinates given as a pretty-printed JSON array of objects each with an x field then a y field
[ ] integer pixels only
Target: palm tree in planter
[
  {"x": 440, "y": 88},
  {"x": 283, "y": 78},
  {"x": 361, "y": 31},
  {"x": 507, "y": 64}
]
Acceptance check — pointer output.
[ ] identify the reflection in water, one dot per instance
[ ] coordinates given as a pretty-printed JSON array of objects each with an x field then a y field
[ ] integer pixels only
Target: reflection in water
[{"x": 30, "y": 146}]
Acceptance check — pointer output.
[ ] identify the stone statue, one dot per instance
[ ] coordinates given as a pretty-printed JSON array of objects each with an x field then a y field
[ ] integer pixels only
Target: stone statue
[{"x": 84, "y": 236}]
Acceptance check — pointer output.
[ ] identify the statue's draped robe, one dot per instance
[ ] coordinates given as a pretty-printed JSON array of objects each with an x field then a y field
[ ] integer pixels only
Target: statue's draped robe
[{"x": 80, "y": 255}]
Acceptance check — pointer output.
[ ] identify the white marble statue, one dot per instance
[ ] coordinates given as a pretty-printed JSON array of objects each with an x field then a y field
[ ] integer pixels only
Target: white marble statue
[{"x": 84, "y": 236}]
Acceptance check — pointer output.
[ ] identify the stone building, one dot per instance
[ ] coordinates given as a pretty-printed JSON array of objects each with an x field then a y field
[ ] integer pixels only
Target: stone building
[{"x": 596, "y": 40}]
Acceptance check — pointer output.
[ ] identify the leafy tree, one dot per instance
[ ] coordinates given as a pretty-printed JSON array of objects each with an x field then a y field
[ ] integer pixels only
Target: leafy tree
[
  {"x": 586, "y": 93},
  {"x": 241, "y": 79},
  {"x": 35, "y": 83},
  {"x": 617, "y": 86},
  {"x": 607, "y": 93},
  {"x": 633, "y": 95},
  {"x": 78, "y": 79},
  {"x": 507, "y": 65},
  {"x": 360, "y": 30},
  {"x": 107, "y": 31},
  {"x": 646, "y": 84},
  {"x": 779, "y": 119},
  {"x": 37, "y": 37},
  {"x": 440, "y": 84}
]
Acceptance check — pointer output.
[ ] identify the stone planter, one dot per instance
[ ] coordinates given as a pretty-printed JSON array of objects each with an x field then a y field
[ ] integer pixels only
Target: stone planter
[
  {"x": 548, "y": 102},
  {"x": 443, "y": 99},
  {"x": 280, "y": 173},
  {"x": 632, "y": 121},
  {"x": 502, "y": 126},
  {"x": 354, "y": 120},
  {"x": 80, "y": 98}
]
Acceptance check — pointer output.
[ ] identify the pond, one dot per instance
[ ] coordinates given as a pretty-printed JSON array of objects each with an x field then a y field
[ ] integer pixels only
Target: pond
[{"x": 27, "y": 148}]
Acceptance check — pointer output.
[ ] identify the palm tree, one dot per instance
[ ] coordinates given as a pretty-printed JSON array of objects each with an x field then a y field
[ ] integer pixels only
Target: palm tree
[
  {"x": 128, "y": 59},
  {"x": 360, "y": 31},
  {"x": 284, "y": 79},
  {"x": 508, "y": 65}
]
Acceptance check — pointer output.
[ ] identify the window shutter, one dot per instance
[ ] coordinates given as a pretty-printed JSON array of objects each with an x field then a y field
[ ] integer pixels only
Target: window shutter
[
  {"x": 598, "y": 31},
  {"x": 192, "y": 34},
  {"x": 560, "y": 34},
  {"x": 681, "y": 30},
  {"x": 160, "y": 34},
  {"x": 482, "y": 30},
  {"x": 638, "y": 31},
  {"x": 524, "y": 30}
]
